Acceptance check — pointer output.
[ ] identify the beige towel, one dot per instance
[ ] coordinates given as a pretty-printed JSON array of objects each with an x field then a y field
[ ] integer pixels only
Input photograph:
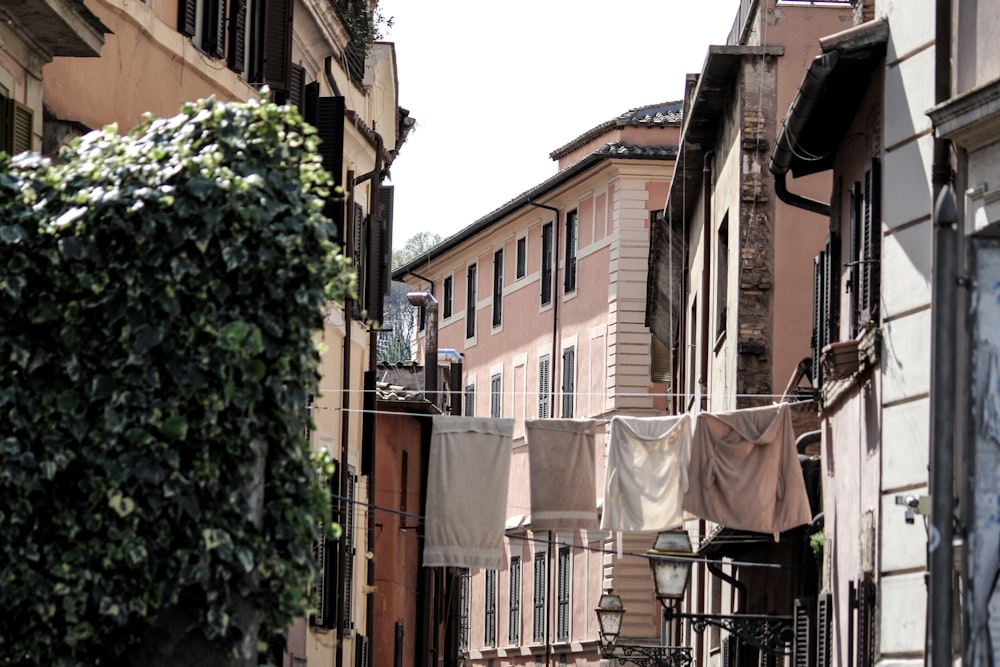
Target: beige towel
[
  {"x": 647, "y": 473},
  {"x": 745, "y": 471},
  {"x": 467, "y": 480},
  {"x": 561, "y": 467}
]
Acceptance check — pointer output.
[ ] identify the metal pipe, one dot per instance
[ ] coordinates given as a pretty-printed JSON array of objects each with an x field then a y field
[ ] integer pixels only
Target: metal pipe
[
  {"x": 944, "y": 315},
  {"x": 429, "y": 305},
  {"x": 706, "y": 267},
  {"x": 942, "y": 453}
]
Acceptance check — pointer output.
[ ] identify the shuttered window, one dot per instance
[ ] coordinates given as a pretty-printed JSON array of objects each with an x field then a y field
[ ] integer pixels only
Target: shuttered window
[
  {"x": 16, "y": 121},
  {"x": 277, "y": 45},
  {"x": 296, "y": 86},
  {"x": 238, "y": 22},
  {"x": 568, "y": 381},
  {"x": 378, "y": 255},
  {"x": 546, "y": 268},
  {"x": 470, "y": 302},
  {"x": 470, "y": 400},
  {"x": 540, "y": 580},
  {"x": 496, "y": 383},
  {"x": 325, "y": 555},
  {"x": 514, "y": 617},
  {"x": 871, "y": 245},
  {"x": 463, "y": 610},
  {"x": 346, "y": 575},
  {"x": 448, "y": 297},
  {"x": 497, "y": 287},
  {"x": 522, "y": 258},
  {"x": 803, "y": 646},
  {"x": 569, "y": 261},
  {"x": 544, "y": 383},
  {"x": 863, "y": 593},
  {"x": 824, "y": 630},
  {"x": 563, "y": 594},
  {"x": 490, "y": 610},
  {"x": 826, "y": 299}
]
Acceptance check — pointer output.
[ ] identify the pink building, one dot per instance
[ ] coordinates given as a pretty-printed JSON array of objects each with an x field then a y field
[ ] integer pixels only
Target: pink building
[{"x": 545, "y": 297}]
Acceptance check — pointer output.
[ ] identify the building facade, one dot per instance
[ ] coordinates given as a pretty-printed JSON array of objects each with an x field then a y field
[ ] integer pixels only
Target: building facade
[
  {"x": 322, "y": 57},
  {"x": 545, "y": 299}
]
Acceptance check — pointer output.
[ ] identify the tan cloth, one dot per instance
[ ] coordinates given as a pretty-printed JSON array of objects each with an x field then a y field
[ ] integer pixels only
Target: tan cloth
[
  {"x": 467, "y": 481},
  {"x": 561, "y": 468},
  {"x": 745, "y": 471},
  {"x": 646, "y": 474}
]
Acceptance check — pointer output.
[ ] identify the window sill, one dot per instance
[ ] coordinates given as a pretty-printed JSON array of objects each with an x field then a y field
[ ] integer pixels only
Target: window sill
[{"x": 850, "y": 373}]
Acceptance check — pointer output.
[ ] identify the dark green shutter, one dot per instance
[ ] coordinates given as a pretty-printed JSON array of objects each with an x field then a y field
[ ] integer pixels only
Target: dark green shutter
[
  {"x": 237, "y": 35},
  {"x": 277, "y": 61},
  {"x": 20, "y": 119},
  {"x": 330, "y": 127},
  {"x": 296, "y": 87},
  {"x": 187, "y": 17},
  {"x": 872, "y": 239}
]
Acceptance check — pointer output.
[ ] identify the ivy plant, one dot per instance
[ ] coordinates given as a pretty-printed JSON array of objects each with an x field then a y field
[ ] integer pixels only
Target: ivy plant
[{"x": 160, "y": 293}]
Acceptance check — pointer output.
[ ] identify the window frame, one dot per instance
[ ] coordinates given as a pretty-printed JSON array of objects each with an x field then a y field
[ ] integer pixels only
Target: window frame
[
  {"x": 496, "y": 395},
  {"x": 514, "y": 607},
  {"x": 490, "y": 609},
  {"x": 544, "y": 386},
  {"x": 564, "y": 587},
  {"x": 568, "y": 381},
  {"x": 469, "y": 400},
  {"x": 498, "y": 288},
  {"x": 447, "y": 297},
  {"x": 521, "y": 264},
  {"x": 540, "y": 588},
  {"x": 470, "y": 301}
]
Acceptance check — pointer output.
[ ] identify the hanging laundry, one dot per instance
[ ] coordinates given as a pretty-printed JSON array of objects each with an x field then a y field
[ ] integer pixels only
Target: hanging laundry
[
  {"x": 467, "y": 480},
  {"x": 561, "y": 468},
  {"x": 647, "y": 473},
  {"x": 745, "y": 471}
]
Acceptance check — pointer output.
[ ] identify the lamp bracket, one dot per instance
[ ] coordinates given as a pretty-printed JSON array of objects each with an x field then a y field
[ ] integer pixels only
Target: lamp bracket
[
  {"x": 650, "y": 656},
  {"x": 768, "y": 633}
]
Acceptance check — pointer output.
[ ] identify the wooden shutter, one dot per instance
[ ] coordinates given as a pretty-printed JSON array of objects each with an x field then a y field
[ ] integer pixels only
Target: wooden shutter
[
  {"x": 543, "y": 387},
  {"x": 378, "y": 255},
  {"x": 872, "y": 244},
  {"x": 187, "y": 17},
  {"x": 855, "y": 265},
  {"x": 296, "y": 87},
  {"x": 831, "y": 283},
  {"x": 214, "y": 28},
  {"x": 540, "y": 578},
  {"x": 563, "y": 585},
  {"x": 310, "y": 102},
  {"x": 236, "y": 58},
  {"x": 803, "y": 646},
  {"x": 347, "y": 535},
  {"x": 277, "y": 51},
  {"x": 18, "y": 127},
  {"x": 568, "y": 381},
  {"x": 330, "y": 127},
  {"x": 824, "y": 629},
  {"x": 865, "y": 602},
  {"x": 728, "y": 652},
  {"x": 356, "y": 251},
  {"x": 325, "y": 553},
  {"x": 470, "y": 302},
  {"x": 362, "y": 647}
]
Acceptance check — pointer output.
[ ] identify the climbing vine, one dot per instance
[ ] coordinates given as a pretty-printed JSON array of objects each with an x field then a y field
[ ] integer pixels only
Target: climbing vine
[{"x": 159, "y": 296}]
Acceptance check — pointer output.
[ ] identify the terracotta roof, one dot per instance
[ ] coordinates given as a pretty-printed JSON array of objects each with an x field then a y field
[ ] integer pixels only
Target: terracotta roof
[
  {"x": 620, "y": 149},
  {"x": 652, "y": 115}
]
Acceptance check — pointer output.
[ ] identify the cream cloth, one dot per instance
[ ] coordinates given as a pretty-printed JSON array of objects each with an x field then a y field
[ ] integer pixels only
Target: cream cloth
[
  {"x": 647, "y": 473},
  {"x": 467, "y": 481},
  {"x": 745, "y": 471},
  {"x": 561, "y": 468}
]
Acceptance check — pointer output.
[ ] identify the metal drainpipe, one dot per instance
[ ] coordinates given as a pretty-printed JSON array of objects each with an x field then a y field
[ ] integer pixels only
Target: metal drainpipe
[
  {"x": 555, "y": 305},
  {"x": 940, "y": 554},
  {"x": 706, "y": 266}
]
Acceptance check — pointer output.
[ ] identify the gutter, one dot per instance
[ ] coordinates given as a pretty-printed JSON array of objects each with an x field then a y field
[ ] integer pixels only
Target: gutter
[{"x": 795, "y": 120}]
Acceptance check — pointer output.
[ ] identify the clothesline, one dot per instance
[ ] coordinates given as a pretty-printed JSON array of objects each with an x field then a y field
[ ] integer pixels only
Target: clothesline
[
  {"x": 742, "y": 539},
  {"x": 617, "y": 394}
]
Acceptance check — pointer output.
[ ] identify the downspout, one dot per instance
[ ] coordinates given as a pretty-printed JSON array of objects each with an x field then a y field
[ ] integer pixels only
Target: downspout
[
  {"x": 944, "y": 315},
  {"x": 369, "y": 438},
  {"x": 706, "y": 267},
  {"x": 555, "y": 306},
  {"x": 798, "y": 112},
  {"x": 330, "y": 81}
]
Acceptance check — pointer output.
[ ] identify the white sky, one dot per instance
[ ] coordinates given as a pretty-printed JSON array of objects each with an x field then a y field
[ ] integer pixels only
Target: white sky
[{"x": 496, "y": 86}]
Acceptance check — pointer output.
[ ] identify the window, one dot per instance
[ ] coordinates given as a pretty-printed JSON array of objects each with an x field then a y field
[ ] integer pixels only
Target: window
[
  {"x": 16, "y": 121},
  {"x": 470, "y": 400},
  {"x": 722, "y": 277},
  {"x": 495, "y": 395},
  {"x": 538, "y": 617},
  {"x": 253, "y": 36},
  {"x": 568, "y": 381},
  {"x": 522, "y": 257},
  {"x": 470, "y": 302},
  {"x": 346, "y": 521},
  {"x": 448, "y": 297},
  {"x": 514, "y": 618},
  {"x": 866, "y": 243},
  {"x": 547, "y": 264},
  {"x": 569, "y": 268},
  {"x": 497, "y": 287},
  {"x": 490, "y": 610},
  {"x": 463, "y": 610},
  {"x": 562, "y": 595},
  {"x": 544, "y": 380}
]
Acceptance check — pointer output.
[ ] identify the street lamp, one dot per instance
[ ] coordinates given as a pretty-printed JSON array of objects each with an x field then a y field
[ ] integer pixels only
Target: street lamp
[
  {"x": 670, "y": 560},
  {"x": 610, "y": 612}
]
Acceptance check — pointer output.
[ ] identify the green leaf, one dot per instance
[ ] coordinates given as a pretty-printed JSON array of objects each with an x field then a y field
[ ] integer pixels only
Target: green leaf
[
  {"x": 121, "y": 504},
  {"x": 175, "y": 427}
]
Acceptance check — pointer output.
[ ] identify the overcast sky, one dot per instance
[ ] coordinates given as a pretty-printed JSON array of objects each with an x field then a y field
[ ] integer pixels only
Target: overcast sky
[{"x": 496, "y": 86}]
